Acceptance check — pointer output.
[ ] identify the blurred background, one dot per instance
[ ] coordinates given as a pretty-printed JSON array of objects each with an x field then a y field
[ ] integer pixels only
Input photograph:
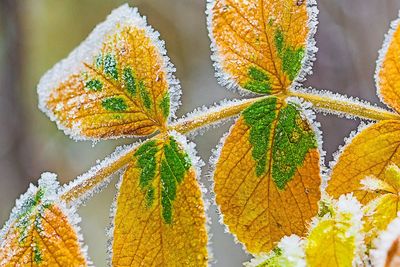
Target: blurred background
[{"x": 35, "y": 34}]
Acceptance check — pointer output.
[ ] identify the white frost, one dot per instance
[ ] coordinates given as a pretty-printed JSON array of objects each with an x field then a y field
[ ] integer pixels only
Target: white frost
[
  {"x": 51, "y": 195},
  {"x": 226, "y": 80},
  {"x": 84, "y": 179},
  {"x": 382, "y": 53},
  {"x": 89, "y": 48},
  {"x": 383, "y": 243}
]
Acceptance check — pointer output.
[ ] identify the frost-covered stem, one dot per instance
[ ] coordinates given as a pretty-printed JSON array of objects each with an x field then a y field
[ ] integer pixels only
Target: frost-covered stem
[
  {"x": 96, "y": 179},
  {"x": 336, "y": 104},
  {"x": 199, "y": 121},
  {"x": 345, "y": 106}
]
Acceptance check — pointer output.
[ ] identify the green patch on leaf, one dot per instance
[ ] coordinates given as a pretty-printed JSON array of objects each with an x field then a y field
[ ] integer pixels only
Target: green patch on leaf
[
  {"x": 37, "y": 255},
  {"x": 110, "y": 66},
  {"x": 150, "y": 196},
  {"x": 165, "y": 105},
  {"x": 94, "y": 85},
  {"x": 260, "y": 117},
  {"x": 173, "y": 170},
  {"x": 114, "y": 104},
  {"x": 98, "y": 62},
  {"x": 147, "y": 162},
  {"x": 129, "y": 81},
  {"x": 258, "y": 81},
  {"x": 173, "y": 167},
  {"x": 292, "y": 140},
  {"x": 291, "y": 57},
  {"x": 144, "y": 94}
]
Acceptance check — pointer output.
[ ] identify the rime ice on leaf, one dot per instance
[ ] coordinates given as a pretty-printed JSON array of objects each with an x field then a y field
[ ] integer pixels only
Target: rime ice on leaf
[
  {"x": 159, "y": 218},
  {"x": 335, "y": 240},
  {"x": 375, "y": 148},
  {"x": 41, "y": 230},
  {"x": 262, "y": 46},
  {"x": 385, "y": 207},
  {"x": 368, "y": 154},
  {"x": 388, "y": 73},
  {"x": 288, "y": 253},
  {"x": 267, "y": 177},
  {"x": 118, "y": 82},
  {"x": 386, "y": 251}
]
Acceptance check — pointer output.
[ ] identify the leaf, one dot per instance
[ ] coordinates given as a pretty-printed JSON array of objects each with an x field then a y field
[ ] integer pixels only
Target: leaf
[
  {"x": 39, "y": 231},
  {"x": 288, "y": 253},
  {"x": 160, "y": 218},
  {"x": 383, "y": 209},
  {"x": 118, "y": 82},
  {"x": 334, "y": 240},
  {"x": 267, "y": 177},
  {"x": 388, "y": 72},
  {"x": 369, "y": 153},
  {"x": 263, "y": 46},
  {"x": 386, "y": 252}
]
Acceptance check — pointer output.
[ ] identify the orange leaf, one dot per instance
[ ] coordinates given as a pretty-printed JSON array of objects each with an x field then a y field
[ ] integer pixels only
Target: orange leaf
[
  {"x": 118, "y": 82},
  {"x": 267, "y": 177},
  {"x": 388, "y": 72},
  {"x": 263, "y": 46},
  {"x": 160, "y": 218},
  {"x": 368, "y": 154},
  {"x": 39, "y": 232}
]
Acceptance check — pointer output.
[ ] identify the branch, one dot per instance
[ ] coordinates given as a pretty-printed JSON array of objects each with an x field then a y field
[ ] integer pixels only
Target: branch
[{"x": 321, "y": 100}]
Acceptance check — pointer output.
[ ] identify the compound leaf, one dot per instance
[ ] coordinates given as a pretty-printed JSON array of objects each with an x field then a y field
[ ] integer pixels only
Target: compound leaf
[
  {"x": 160, "y": 218},
  {"x": 263, "y": 46},
  {"x": 267, "y": 177},
  {"x": 39, "y": 232},
  {"x": 369, "y": 153},
  {"x": 116, "y": 83},
  {"x": 388, "y": 72}
]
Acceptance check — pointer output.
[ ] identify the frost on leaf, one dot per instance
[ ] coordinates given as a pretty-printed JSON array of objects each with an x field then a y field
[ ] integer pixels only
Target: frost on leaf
[
  {"x": 368, "y": 154},
  {"x": 159, "y": 218},
  {"x": 335, "y": 239},
  {"x": 288, "y": 253},
  {"x": 41, "y": 231},
  {"x": 263, "y": 46},
  {"x": 386, "y": 248},
  {"x": 267, "y": 177},
  {"x": 385, "y": 207},
  {"x": 388, "y": 73},
  {"x": 118, "y": 82}
]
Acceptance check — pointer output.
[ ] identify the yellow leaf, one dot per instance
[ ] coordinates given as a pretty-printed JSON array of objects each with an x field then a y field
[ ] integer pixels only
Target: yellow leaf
[
  {"x": 386, "y": 251},
  {"x": 267, "y": 177},
  {"x": 383, "y": 209},
  {"x": 334, "y": 240},
  {"x": 39, "y": 232},
  {"x": 160, "y": 218},
  {"x": 116, "y": 83},
  {"x": 368, "y": 154},
  {"x": 387, "y": 72},
  {"x": 263, "y": 46}
]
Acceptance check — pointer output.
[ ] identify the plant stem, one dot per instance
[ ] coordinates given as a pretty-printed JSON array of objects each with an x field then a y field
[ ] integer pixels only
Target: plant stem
[
  {"x": 344, "y": 106},
  {"x": 96, "y": 178},
  {"x": 336, "y": 104},
  {"x": 187, "y": 125}
]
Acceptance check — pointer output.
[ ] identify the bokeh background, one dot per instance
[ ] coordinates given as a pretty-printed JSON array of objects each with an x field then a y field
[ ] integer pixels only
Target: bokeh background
[{"x": 35, "y": 34}]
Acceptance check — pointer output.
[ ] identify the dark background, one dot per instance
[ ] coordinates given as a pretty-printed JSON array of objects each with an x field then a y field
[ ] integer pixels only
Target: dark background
[{"x": 35, "y": 34}]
